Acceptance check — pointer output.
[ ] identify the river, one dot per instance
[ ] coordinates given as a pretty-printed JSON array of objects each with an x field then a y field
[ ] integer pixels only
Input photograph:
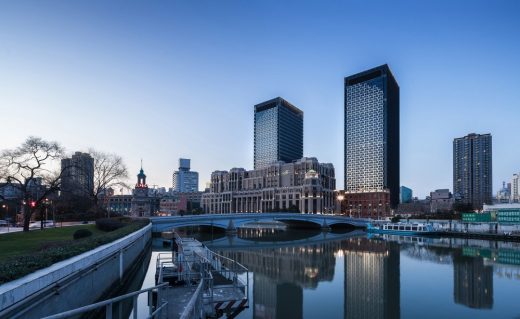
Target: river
[{"x": 309, "y": 274}]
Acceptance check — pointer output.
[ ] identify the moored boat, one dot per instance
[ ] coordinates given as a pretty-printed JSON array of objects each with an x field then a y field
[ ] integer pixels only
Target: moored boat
[{"x": 401, "y": 228}]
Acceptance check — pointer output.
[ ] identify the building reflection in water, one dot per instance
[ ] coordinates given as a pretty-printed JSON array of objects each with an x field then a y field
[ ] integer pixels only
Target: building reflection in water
[
  {"x": 372, "y": 279},
  {"x": 472, "y": 266},
  {"x": 281, "y": 274},
  {"x": 472, "y": 281}
]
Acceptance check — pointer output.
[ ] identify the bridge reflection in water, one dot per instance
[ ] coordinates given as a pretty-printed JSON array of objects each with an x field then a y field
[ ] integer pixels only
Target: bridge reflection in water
[{"x": 284, "y": 270}]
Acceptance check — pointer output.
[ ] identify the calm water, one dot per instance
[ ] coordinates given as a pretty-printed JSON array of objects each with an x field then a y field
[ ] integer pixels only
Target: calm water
[{"x": 298, "y": 274}]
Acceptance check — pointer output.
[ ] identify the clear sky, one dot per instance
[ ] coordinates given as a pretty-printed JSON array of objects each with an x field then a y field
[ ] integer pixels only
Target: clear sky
[{"x": 160, "y": 80}]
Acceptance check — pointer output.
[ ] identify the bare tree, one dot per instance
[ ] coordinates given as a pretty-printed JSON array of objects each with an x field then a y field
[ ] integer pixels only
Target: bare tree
[
  {"x": 109, "y": 172},
  {"x": 22, "y": 166}
]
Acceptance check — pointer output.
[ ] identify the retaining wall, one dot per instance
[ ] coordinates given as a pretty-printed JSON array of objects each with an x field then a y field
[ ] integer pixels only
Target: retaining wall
[{"x": 74, "y": 282}]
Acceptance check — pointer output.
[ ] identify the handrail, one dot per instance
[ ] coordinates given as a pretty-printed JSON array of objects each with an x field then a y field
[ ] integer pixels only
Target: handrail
[
  {"x": 190, "y": 307},
  {"x": 96, "y": 305}
]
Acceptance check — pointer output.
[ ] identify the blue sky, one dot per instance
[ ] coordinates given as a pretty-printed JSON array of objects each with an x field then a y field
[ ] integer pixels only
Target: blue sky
[{"x": 160, "y": 80}]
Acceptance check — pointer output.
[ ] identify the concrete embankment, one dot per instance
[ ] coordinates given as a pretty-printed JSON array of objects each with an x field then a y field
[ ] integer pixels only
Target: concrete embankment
[
  {"x": 474, "y": 230},
  {"x": 74, "y": 282}
]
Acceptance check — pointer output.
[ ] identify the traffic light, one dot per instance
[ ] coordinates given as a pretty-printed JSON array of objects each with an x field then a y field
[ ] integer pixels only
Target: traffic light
[{"x": 33, "y": 204}]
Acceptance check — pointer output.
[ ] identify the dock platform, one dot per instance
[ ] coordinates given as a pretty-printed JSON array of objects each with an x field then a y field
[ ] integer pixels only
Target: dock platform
[{"x": 201, "y": 283}]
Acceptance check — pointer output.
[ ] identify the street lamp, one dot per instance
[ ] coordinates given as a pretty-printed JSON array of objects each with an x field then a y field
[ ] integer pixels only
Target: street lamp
[
  {"x": 6, "y": 214},
  {"x": 340, "y": 199}
]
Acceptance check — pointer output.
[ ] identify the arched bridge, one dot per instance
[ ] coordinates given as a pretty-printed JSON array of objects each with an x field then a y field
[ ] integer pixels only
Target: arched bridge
[{"x": 232, "y": 221}]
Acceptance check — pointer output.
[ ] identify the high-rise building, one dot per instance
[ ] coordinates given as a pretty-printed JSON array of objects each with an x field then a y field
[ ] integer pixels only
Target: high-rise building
[
  {"x": 77, "y": 175},
  {"x": 405, "y": 195},
  {"x": 515, "y": 188},
  {"x": 504, "y": 194},
  {"x": 184, "y": 180},
  {"x": 278, "y": 133},
  {"x": 472, "y": 169},
  {"x": 372, "y": 141}
]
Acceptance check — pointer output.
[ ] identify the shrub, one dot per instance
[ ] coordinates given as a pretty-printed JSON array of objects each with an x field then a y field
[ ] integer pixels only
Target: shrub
[
  {"x": 81, "y": 233},
  {"x": 109, "y": 224}
]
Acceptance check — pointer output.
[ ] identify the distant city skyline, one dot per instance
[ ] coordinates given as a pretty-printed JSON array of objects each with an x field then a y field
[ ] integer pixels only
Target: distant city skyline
[{"x": 162, "y": 81}]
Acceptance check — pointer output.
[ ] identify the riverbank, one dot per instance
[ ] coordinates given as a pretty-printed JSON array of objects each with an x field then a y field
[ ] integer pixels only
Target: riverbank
[
  {"x": 22, "y": 253},
  {"x": 477, "y": 235}
]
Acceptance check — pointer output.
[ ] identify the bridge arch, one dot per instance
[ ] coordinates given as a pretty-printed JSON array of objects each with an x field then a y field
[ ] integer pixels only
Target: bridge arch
[{"x": 226, "y": 221}]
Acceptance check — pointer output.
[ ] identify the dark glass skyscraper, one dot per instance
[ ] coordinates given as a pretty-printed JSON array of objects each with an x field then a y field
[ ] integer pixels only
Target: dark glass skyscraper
[
  {"x": 372, "y": 138},
  {"x": 472, "y": 169},
  {"x": 278, "y": 132}
]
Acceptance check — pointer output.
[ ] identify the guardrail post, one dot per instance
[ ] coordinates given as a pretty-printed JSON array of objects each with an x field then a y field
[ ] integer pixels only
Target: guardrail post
[
  {"x": 121, "y": 264},
  {"x": 135, "y": 306},
  {"x": 108, "y": 311},
  {"x": 150, "y": 302}
]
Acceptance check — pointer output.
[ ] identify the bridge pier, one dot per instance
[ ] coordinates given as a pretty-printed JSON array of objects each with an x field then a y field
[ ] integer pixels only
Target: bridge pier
[
  {"x": 231, "y": 229},
  {"x": 325, "y": 227}
]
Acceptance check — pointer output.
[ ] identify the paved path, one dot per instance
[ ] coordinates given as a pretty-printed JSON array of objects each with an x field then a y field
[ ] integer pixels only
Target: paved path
[{"x": 5, "y": 230}]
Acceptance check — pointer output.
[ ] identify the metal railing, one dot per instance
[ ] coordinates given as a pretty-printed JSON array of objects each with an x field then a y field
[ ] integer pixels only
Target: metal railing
[
  {"x": 108, "y": 304},
  {"x": 226, "y": 267},
  {"x": 195, "y": 307}
]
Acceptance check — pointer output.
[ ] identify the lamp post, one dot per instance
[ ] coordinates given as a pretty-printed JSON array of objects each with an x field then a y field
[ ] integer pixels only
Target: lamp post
[
  {"x": 6, "y": 214},
  {"x": 46, "y": 206},
  {"x": 340, "y": 199}
]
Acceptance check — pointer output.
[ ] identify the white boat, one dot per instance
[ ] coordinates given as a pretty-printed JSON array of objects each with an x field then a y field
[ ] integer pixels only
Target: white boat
[{"x": 402, "y": 228}]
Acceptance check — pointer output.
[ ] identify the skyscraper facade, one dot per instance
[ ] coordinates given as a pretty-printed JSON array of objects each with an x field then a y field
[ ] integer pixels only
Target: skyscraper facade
[
  {"x": 278, "y": 133},
  {"x": 515, "y": 188},
  {"x": 184, "y": 180},
  {"x": 372, "y": 141},
  {"x": 472, "y": 169},
  {"x": 77, "y": 175}
]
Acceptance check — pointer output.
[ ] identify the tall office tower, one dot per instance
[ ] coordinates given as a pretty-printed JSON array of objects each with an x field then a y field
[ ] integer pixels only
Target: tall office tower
[
  {"x": 515, "y": 188},
  {"x": 372, "y": 142},
  {"x": 184, "y": 180},
  {"x": 472, "y": 169},
  {"x": 78, "y": 175},
  {"x": 278, "y": 132}
]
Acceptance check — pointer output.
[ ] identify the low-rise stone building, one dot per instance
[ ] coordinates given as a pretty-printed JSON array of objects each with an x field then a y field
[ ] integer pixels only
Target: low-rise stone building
[{"x": 304, "y": 185}]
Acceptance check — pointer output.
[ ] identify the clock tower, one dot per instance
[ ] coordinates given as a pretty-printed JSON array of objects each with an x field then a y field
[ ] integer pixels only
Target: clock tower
[{"x": 141, "y": 203}]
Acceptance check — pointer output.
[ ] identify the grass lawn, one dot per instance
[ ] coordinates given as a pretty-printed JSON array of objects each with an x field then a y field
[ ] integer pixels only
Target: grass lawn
[
  {"x": 22, "y": 243},
  {"x": 23, "y": 253}
]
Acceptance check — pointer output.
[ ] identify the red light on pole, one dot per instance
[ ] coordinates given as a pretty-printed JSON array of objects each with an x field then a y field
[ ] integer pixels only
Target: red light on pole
[{"x": 33, "y": 203}]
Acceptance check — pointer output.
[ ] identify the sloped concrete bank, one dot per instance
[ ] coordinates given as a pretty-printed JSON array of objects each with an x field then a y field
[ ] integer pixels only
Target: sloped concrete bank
[{"x": 74, "y": 282}]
